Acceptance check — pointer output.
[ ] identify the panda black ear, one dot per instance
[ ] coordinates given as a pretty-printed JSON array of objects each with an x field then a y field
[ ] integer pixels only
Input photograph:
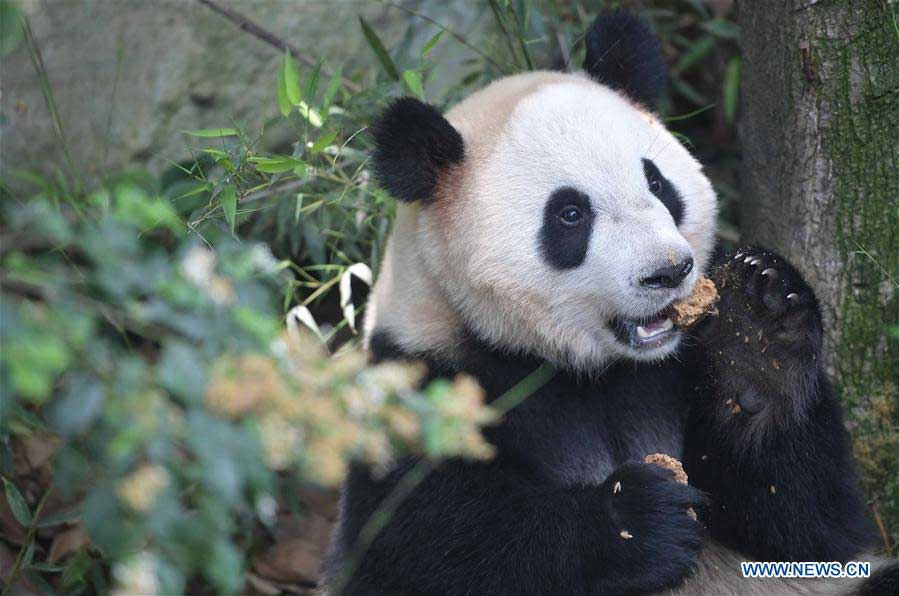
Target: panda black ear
[
  {"x": 413, "y": 144},
  {"x": 622, "y": 53}
]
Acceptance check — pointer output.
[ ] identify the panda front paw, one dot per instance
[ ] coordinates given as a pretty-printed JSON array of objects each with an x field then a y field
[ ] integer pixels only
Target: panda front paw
[
  {"x": 763, "y": 286},
  {"x": 654, "y": 540},
  {"x": 767, "y": 338}
]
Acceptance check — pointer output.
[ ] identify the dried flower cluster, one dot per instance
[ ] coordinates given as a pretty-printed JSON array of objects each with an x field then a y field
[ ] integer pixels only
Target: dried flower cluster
[{"x": 319, "y": 412}]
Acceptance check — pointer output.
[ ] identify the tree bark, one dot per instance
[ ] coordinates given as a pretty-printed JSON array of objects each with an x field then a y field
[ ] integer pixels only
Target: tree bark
[{"x": 820, "y": 131}]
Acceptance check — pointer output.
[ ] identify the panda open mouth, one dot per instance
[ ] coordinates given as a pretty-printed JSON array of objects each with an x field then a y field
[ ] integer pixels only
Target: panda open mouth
[{"x": 647, "y": 332}]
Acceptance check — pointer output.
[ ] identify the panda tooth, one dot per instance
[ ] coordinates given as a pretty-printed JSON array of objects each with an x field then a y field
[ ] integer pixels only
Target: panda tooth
[
  {"x": 643, "y": 332},
  {"x": 667, "y": 324}
]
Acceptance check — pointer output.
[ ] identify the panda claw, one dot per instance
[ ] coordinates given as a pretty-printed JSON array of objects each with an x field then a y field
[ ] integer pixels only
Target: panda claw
[
  {"x": 747, "y": 259},
  {"x": 769, "y": 271},
  {"x": 793, "y": 296},
  {"x": 738, "y": 255}
]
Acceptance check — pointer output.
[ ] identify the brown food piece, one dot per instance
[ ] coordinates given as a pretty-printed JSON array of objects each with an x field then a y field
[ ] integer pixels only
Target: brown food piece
[
  {"x": 666, "y": 461},
  {"x": 684, "y": 313}
]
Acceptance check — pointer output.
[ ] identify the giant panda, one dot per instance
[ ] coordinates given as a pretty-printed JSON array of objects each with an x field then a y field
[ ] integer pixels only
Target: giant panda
[{"x": 551, "y": 219}]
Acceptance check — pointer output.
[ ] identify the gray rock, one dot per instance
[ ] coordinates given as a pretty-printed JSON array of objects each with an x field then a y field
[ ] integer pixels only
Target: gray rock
[{"x": 128, "y": 75}]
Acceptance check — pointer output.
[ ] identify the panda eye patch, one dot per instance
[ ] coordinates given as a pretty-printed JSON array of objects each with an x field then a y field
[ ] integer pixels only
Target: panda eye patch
[
  {"x": 664, "y": 191},
  {"x": 571, "y": 215},
  {"x": 567, "y": 225}
]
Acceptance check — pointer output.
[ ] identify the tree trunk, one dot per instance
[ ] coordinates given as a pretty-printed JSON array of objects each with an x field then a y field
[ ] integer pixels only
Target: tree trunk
[{"x": 820, "y": 131}]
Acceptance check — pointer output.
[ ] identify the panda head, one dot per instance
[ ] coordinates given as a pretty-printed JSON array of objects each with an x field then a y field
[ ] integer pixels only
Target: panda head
[{"x": 550, "y": 213}]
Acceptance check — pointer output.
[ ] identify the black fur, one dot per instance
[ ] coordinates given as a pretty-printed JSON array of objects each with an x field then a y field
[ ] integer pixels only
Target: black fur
[
  {"x": 547, "y": 514},
  {"x": 666, "y": 192},
  {"x": 414, "y": 144},
  {"x": 768, "y": 442},
  {"x": 564, "y": 246},
  {"x": 625, "y": 55}
]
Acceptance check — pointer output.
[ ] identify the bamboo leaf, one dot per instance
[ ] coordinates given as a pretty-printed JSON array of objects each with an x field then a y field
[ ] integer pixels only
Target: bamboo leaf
[
  {"x": 380, "y": 51},
  {"x": 731, "y": 90},
  {"x": 686, "y": 90},
  {"x": 323, "y": 141},
  {"x": 211, "y": 133},
  {"x": 331, "y": 91},
  {"x": 17, "y": 503},
  {"x": 431, "y": 43},
  {"x": 722, "y": 28},
  {"x": 301, "y": 314},
  {"x": 284, "y": 104},
  {"x": 276, "y": 165},
  {"x": 228, "y": 198},
  {"x": 362, "y": 271},
  {"x": 291, "y": 80},
  {"x": 310, "y": 114},
  {"x": 413, "y": 82},
  {"x": 216, "y": 153},
  {"x": 312, "y": 85},
  {"x": 696, "y": 52}
]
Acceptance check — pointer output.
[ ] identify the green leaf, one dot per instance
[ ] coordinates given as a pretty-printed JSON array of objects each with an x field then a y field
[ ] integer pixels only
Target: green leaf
[
  {"x": 731, "y": 90},
  {"x": 431, "y": 43},
  {"x": 312, "y": 85},
  {"x": 17, "y": 504},
  {"x": 689, "y": 115},
  {"x": 284, "y": 105},
  {"x": 413, "y": 82},
  {"x": 66, "y": 516},
  {"x": 291, "y": 80},
  {"x": 696, "y": 52},
  {"x": 224, "y": 566},
  {"x": 28, "y": 556},
  {"x": 685, "y": 89},
  {"x": 699, "y": 7},
  {"x": 277, "y": 164},
  {"x": 333, "y": 87},
  {"x": 133, "y": 205},
  {"x": 322, "y": 142},
  {"x": 722, "y": 28},
  {"x": 11, "y": 32},
  {"x": 47, "y": 567},
  {"x": 228, "y": 197},
  {"x": 380, "y": 51},
  {"x": 310, "y": 114},
  {"x": 212, "y": 133}
]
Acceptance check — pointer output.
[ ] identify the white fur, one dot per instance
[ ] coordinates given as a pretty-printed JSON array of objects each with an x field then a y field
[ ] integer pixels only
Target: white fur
[{"x": 476, "y": 248}]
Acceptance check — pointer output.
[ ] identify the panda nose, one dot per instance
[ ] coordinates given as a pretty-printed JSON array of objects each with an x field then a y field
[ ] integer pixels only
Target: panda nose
[{"x": 670, "y": 276}]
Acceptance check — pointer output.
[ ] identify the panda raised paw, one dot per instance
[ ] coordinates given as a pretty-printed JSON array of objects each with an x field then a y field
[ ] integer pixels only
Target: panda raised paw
[
  {"x": 654, "y": 539},
  {"x": 768, "y": 331}
]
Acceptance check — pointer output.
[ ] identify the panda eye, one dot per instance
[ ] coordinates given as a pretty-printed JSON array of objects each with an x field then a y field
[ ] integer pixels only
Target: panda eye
[
  {"x": 571, "y": 215},
  {"x": 655, "y": 186}
]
